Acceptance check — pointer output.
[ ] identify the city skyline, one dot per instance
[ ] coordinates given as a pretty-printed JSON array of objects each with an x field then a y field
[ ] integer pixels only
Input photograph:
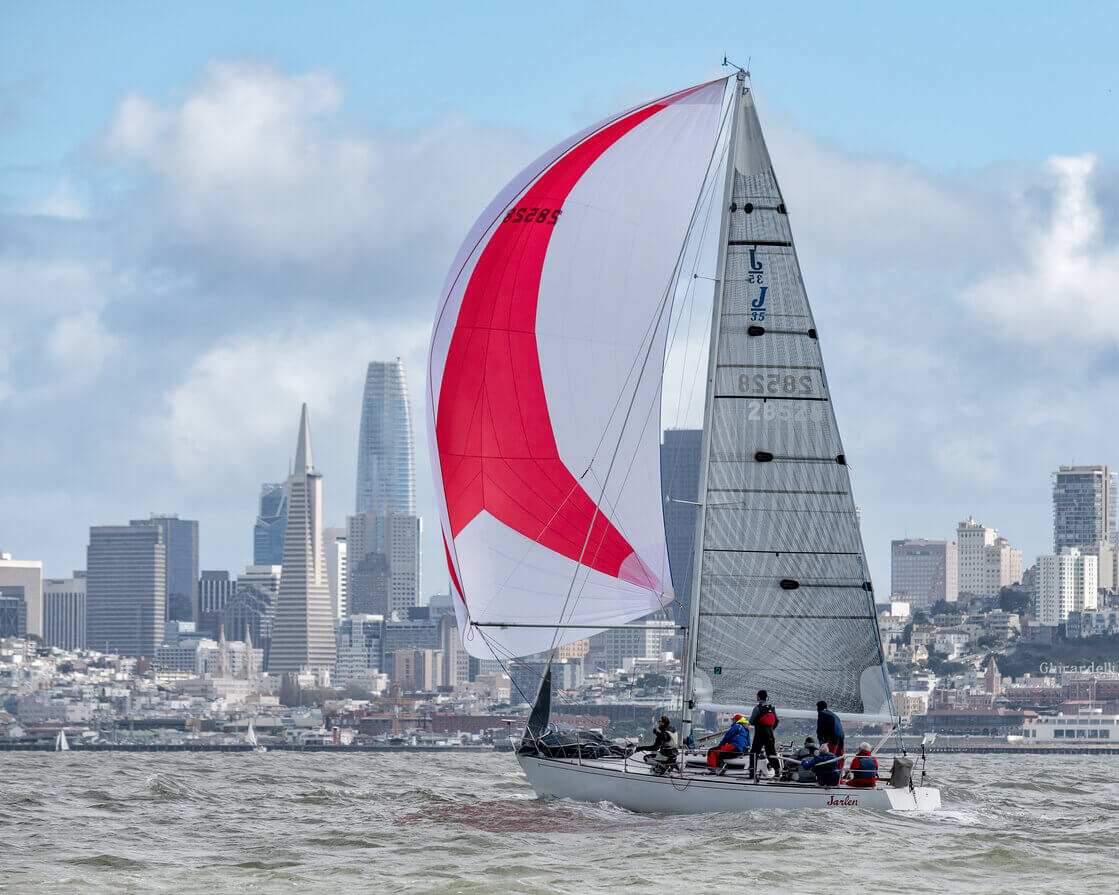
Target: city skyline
[{"x": 961, "y": 379}]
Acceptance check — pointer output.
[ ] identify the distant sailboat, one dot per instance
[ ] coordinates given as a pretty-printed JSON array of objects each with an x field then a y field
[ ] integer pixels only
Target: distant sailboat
[
  {"x": 60, "y": 742},
  {"x": 250, "y": 737},
  {"x": 544, "y": 398}
]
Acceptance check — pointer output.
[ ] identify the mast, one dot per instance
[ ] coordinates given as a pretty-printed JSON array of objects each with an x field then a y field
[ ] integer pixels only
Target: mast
[{"x": 705, "y": 449}]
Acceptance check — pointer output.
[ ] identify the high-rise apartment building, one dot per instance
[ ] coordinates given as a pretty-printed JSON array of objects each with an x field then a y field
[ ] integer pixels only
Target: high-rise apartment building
[
  {"x": 987, "y": 563},
  {"x": 126, "y": 588},
  {"x": 386, "y": 462},
  {"x": 215, "y": 589},
  {"x": 21, "y": 597},
  {"x": 972, "y": 539},
  {"x": 1067, "y": 582},
  {"x": 268, "y": 532},
  {"x": 303, "y": 633},
  {"x": 180, "y": 538},
  {"x": 1083, "y": 507},
  {"x": 64, "y": 612},
  {"x": 923, "y": 572},
  {"x": 1002, "y": 567},
  {"x": 334, "y": 544},
  {"x": 681, "y": 455}
]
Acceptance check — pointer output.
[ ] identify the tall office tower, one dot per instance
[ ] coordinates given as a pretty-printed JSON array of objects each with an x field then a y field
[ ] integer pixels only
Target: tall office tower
[
  {"x": 923, "y": 572},
  {"x": 334, "y": 544},
  {"x": 215, "y": 588},
  {"x": 681, "y": 453},
  {"x": 386, "y": 460},
  {"x": 21, "y": 597},
  {"x": 268, "y": 532},
  {"x": 180, "y": 537},
  {"x": 972, "y": 539},
  {"x": 249, "y": 616},
  {"x": 370, "y": 582},
  {"x": 1066, "y": 582},
  {"x": 359, "y": 647},
  {"x": 1083, "y": 507},
  {"x": 387, "y": 545},
  {"x": 64, "y": 612},
  {"x": 303, "y": 633},
  {"x": 126, "y": 589},
  {"x": 456, "y": 660},
  {"x": 267, "y": 578}
]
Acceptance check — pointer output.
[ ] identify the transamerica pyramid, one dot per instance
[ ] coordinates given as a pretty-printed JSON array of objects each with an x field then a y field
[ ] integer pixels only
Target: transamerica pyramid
[{"x": 303, "y": 634}]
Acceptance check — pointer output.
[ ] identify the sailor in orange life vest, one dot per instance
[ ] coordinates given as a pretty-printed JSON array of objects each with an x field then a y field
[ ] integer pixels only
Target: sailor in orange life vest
[
  {"x": 764, "y": 720},
  {"x": 863, "y": 769}
]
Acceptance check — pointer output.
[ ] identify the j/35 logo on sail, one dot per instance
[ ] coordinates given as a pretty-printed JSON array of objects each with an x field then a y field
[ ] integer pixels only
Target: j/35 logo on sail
[{"x": 757, "y": 305}]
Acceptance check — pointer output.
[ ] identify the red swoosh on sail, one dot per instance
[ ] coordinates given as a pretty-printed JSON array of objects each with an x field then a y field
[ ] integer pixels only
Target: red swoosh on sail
[{"x": 497, "y": 449}]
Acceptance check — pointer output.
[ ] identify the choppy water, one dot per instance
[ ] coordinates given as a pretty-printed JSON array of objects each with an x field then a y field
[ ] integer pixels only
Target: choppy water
[{"x": 199, "y": 822}]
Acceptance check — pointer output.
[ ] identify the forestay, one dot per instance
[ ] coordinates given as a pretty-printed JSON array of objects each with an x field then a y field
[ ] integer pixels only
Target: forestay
[
  {"x": 785, "y": 601},
  {"x": 544, "y": 380}
]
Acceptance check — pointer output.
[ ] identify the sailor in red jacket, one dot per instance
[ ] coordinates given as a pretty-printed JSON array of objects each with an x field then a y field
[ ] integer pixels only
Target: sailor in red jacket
[{"x": 863, "y": 769}]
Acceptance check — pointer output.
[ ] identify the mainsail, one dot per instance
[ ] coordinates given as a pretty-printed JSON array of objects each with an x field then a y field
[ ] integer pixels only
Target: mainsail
[
  {"x": 782, "y": 598},
  {"x": 544, "y": 380}
]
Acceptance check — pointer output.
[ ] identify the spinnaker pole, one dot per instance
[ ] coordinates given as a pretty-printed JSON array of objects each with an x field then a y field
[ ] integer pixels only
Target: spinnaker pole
[{"x": 709, "y": 402}]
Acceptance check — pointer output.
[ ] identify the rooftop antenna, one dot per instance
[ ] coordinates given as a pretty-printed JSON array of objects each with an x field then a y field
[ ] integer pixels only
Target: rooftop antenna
[{"x": 745, "y": 71}]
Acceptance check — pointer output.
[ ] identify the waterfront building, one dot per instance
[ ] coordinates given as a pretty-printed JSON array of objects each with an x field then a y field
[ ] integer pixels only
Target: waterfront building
[
  {"x": 303, "y": 633},
  {"x": 681, "y": 454},
  {"x": 1086, "y": 727},
  {"x": 334, "y": 545},
  {"x": 268, "y": 532},
  {"x": 64, "y": 612},
  {"x": 386, "y": 462},
  {"x": 126, "y": 588},
  {"x": 180, "y": 540},
  {"x": 923, "y": 572},
  {"x": 214, "y": 590},
  {"x": 21, "y": 597},
  {"x": 1083, "y": 507},
  {"x": 1067, "y": 582}
]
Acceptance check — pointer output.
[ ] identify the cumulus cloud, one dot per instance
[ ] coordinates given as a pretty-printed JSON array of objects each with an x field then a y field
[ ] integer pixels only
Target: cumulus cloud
[
  {"x": 253, "y": 170},
  {"x": 239, "y": 401},
  {"x": 1067, "y": 280}
]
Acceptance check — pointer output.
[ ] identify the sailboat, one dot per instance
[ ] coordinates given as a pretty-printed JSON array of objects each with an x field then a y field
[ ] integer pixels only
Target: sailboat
[
  {"x": 544, "y": 418},
  {"x": 250, "y": 737},
  {"x": 60, "y": 742}
]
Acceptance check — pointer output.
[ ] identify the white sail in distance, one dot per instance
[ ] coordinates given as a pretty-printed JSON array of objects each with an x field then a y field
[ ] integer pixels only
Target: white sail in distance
[
  {"x": 544, "y": 380},
  {"x": 782, "y": 599}
]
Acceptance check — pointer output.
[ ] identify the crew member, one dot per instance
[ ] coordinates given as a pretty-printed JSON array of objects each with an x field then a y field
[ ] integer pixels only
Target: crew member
[
  {"x": 663, "y": 749},
  {"x": 735, "y": 742},
  {"x": 824, "y": 766},
  {"x": 828, "y": 728},
  {"x": 764, "y": 720},
  {"x": 863, "y": 769}
]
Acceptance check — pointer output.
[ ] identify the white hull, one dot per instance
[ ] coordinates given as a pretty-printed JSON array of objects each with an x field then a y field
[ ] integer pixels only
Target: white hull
[{"x": 637, "y": 789}]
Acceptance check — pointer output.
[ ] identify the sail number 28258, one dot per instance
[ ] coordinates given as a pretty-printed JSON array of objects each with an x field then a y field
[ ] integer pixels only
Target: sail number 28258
[{"x": 530, "y": 215}]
